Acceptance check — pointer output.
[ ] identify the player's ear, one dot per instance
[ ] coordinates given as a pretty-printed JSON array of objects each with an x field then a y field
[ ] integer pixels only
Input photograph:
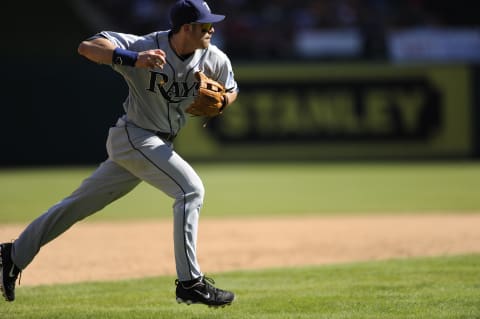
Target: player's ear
[{"x": 187, "y": 27}]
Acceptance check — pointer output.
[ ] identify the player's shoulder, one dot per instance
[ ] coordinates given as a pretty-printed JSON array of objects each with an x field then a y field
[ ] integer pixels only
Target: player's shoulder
[
  {"x": 215, "y": 53},
  {"x": 160, "y": 38},
  {"x": 151, "y": 40},
  {"x": 214, "y": 50},
  {"x": 157, "y": 36},
  {"x": 148, "y": 41}
]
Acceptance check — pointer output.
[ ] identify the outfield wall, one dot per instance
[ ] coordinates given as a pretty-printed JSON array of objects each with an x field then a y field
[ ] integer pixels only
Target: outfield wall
[
  {"x": 342, "y": 112},
  {"x": 60, "y": 114}
]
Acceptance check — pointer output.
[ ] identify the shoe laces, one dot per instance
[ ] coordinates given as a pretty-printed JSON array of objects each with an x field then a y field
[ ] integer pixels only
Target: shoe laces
[
  {"x": 209, "y": 285},
  {"x": 205, "y": 281},
  {"x": 209, "y": 280}
]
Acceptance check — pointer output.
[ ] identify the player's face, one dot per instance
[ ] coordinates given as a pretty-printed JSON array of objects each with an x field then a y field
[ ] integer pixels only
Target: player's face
[{"x": 202, "y": 34}]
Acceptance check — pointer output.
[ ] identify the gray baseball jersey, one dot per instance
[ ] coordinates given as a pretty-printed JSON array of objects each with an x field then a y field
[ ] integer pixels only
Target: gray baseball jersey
[
  {"x": 138, "y": 152},
  {"x": 158, "y": 98}
]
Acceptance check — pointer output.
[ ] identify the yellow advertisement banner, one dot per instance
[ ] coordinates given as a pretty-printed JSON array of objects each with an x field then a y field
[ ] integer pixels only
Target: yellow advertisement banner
[{"x": 302, "y": 112}]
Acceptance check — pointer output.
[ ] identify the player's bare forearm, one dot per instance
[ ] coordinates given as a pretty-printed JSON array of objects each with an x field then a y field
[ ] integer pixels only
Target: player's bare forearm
[{"x": 231, "y": 97}]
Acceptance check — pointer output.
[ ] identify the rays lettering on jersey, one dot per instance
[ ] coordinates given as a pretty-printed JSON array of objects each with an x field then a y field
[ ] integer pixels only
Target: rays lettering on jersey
[{"x": 175, "y": 92}]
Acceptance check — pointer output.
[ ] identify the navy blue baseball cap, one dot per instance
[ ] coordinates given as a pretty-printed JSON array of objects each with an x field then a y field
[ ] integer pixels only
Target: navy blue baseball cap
[{"x": 189, "y": 11}]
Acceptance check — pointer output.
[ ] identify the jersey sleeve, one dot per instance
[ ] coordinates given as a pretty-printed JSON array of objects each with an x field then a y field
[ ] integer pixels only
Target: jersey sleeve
[
  {"x": 122, "y": 40},
  {"x": 227, "y": 76},
  {"x": 224, "y": 71}
]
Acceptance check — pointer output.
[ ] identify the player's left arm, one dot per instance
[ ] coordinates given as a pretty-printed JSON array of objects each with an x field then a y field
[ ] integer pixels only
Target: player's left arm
[
  {"x": 230, "y": 97},
  {"x": 227, "y": 78}
]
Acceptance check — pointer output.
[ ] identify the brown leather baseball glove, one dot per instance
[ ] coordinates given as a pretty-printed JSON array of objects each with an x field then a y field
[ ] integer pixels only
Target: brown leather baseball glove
[{"x": 211, "y": 98}]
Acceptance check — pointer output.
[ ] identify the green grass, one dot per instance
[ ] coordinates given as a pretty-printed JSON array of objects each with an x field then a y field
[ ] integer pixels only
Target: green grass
[
  {"x": 267, "y": 190},
  {"x": 442, "y": 287}
]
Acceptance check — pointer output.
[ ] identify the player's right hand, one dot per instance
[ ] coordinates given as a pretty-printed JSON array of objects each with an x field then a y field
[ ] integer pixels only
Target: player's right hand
[{"x": 151, "y": 59}]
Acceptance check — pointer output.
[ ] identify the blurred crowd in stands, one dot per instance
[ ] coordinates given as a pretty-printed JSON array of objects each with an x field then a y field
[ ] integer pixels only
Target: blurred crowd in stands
[{"x": 265, "y": 30}]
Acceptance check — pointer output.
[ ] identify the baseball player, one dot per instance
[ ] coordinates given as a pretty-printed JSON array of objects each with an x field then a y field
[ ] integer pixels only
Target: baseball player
[{"x": 167, "y": 73}]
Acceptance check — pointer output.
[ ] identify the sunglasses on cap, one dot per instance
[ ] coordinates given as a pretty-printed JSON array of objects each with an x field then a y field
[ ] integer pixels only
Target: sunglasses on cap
[{"x": 204, "y": 27}]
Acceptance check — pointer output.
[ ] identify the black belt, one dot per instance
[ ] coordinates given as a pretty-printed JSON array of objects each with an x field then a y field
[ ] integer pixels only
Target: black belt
[{"x": 166, "y": 136}]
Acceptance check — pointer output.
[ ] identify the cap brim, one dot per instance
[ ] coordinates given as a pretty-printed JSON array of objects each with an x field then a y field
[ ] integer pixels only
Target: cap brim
[{"x": 212, "y": 18}]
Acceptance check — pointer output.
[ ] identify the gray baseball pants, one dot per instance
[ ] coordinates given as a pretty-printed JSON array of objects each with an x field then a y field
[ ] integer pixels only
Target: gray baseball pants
[{"x": 135, "y": 154}]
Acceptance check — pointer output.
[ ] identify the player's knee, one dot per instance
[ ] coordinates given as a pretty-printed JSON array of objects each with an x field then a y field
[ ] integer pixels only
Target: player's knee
[
  {"x": 198, "y": 191},
  {"x": 194, "y": 193}
]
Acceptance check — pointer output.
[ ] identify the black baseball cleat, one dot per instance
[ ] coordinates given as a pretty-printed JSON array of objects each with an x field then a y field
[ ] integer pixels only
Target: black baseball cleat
[
  {"x": 202, "y": 291},
  {"x": 8, "y": 272}
]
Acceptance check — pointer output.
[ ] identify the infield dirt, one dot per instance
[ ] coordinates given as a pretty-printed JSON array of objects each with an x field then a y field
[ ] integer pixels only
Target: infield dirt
[{"x": 135, "y": 249}]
